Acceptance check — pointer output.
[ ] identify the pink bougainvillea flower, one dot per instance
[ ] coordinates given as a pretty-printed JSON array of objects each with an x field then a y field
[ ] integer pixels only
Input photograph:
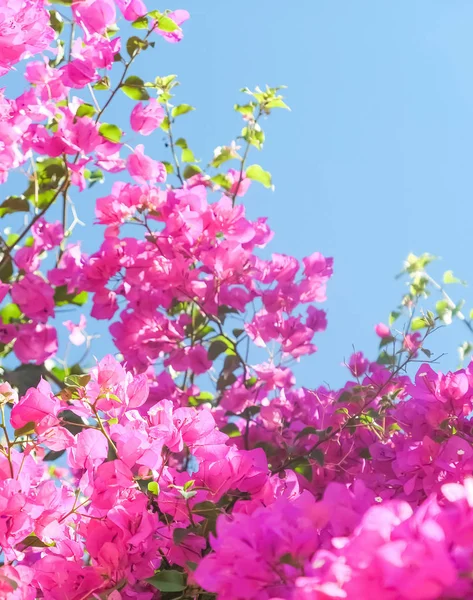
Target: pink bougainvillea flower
[
  {"x": 24, "y": 31},
  {"x": 412, "y": 342},
  {"x": 94, "y": 16},
  {"x": 382, "y": 330},
  {"x": 179, "y": 17},
  {"x": 145, "y": 118},
  {"x": 35, "y": 343},
  {"x": 77, "y": 336},
  {"x": 144, "y": 169},
  {"x": 132, "y": 9}
]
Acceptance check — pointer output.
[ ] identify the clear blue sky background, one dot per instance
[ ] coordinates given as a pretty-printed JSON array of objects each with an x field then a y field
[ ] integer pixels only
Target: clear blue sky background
[{"x": 373, "y": 162}]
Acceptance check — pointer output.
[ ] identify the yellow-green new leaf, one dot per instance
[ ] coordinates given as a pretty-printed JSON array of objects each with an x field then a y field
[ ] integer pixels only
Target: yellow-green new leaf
[
  {"x": 182, "y": 109},
  {"x": 257, "y": 173}
]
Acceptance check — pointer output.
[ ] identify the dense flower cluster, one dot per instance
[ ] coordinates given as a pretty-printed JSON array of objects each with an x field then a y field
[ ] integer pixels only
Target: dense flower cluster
[
  {"x": 192, "y": 466},
  {"x": 24, "y": 31}
]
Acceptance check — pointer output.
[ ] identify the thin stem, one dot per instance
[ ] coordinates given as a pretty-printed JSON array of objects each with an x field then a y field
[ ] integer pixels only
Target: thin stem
[
  {"x": 451, "y": 303},
  {"x": 64, "y": 226},
  {"x": 245, "y": 156},
  {"x": 122, "y": 79},
  {"x": 8, "y": 453},
  {"x": 338, "y": 430},
  {"x": 96, "y": 104},
  {"x": 173, "y": 147},
  {"x": 7, "y": 254},
  {"x": 120, "y": 83},
  {"x": 102, "y": 429},
  {"x": 71, "y": 41}
]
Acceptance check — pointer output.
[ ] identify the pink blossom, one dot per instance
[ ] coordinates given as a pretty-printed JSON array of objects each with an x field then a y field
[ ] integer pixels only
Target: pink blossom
[
  {"x": 412, "y": 342},
  {"x": 132, "y": 9},
  {"x": 358, "y": 364},
  {"x": 95, "y": 16},
  {"x": 179, "y": 17},
  {"x": 34, "y": 297},
  {"x": 35, "y": 343},
  {"x": 382, "y": 331},
  {"x": 146, "y": 118},
  {"x": 34, "y": 406},
  {"x": 24, "y": 31},
  {"x": 77, "y": 337},
  {"x": 144, "y": 169}
]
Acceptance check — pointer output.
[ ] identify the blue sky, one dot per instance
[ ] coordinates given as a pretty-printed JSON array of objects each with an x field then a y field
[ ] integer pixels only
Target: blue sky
[{"x": 374, "y": 160}]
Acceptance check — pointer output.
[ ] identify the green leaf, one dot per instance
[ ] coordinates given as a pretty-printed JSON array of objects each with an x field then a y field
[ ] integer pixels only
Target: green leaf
[
  {"x": 77, "y": 381},
  {"x": 245, "y": 109},
  {"x": 418, "y": 323},
  {"x": 191, "y": 170},
  {"x": 225, "y": 380},
  {"x": 393, "y": 316},
  {"x": 386, "y": 359},
  {"x": 33, "y": 541},
  {"x": 222, "y": 180},
  {"x": 251, "y": 382},
  {"x": 56, "y": 21},
  {"x": 254, "y": 136},
  {"x": 112, "y": 133},
  {"x": 444, "y": 311},
  {"x": 85, "y": 110},
  {"x": 222, "y": 155},
  {"x": 303, "y": 467},
  {"x": 168, "y": 581},
  {"x": 53, "y": 455},
  {"x": 319, "y": 456},
  {"x": 169, "y": 168},
  {"x": 276, "y": 103},
  {"x": 62, "y": 297},
  {"x": 179, "y": 535},
  {"x": 307, "y": 431},
  {"x": 182, "y": 109},
  {"x": 6, "y": 270},
  {"x": 102, "y": 84},
  {"x": 9, "y": 313},
  {"x": 231, "y": 430},
  {"x": 167, "y": 24},
  {"x": 189, "y": 484},
  {"x": 221, "y": 344},
  {"x": 14, "y": 204},
  {"x": 95, "y": 177},
  {"x": 205, "y": 509},
  {"x": 27, "y": 429},
  {"x": 448, "y": 277},
  {"x": 165, "y": 124},
  {"x": 201, "y": 398},
  {"x": 134, "y": 88},
  {"x": 216, "y": 348},
  {"x": 256, "y": 173},
  {"x": 181, "y": 143},
  {"x": 153, "y": 487},
  {"x": 188, "y": 156},
  {"x": 141, "y": 23},
  {"x": 60, "y": 52},
  {"x": 135, "y": 45},
  {"x": 414, "y": 264}
]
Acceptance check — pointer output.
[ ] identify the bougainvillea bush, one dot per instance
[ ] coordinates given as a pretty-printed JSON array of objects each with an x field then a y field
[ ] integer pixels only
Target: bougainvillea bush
[{"x": 189, "y": 465}]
